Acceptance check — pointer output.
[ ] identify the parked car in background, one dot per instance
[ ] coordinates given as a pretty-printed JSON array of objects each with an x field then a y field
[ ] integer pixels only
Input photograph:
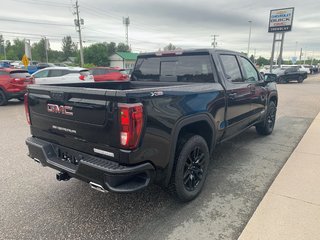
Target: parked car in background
[
  {"x": 60, "y": 65},
  {"x": 129, "y": 71},
  {"x": 54, "y": 75},
  {"x": 5, "y": 64},
  {"x": 101, "y": 74},
  {"x": 32, "y": 68},
  {"x": 266, "y": 68},
  {"x": 285, "y": 75},
  {"x": 314, "y": 69},
  {"x": 13, "y": 84},
  {"x": 17, "y": 64},
  {"x": 303, "y": 69},
  {"x": 44, "y": 65}
]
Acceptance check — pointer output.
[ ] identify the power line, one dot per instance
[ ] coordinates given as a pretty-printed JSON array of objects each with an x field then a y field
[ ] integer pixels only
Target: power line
[
  {"x": 45, "y": 3},
  {"x": 31, "y": 22}
]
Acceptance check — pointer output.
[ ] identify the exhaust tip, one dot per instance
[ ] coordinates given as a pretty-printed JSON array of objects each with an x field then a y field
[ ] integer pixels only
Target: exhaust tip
[
  {"x": 63, "y": 176},
  {"x": 97, "y": 187}
]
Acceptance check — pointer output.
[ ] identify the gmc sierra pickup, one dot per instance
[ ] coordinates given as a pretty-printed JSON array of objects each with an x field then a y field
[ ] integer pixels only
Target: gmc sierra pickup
[{"x": 160, "y": 127}]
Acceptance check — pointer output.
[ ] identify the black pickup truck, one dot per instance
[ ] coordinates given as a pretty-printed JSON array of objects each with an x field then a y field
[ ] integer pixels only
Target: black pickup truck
[{"x": 160, "y": 127}]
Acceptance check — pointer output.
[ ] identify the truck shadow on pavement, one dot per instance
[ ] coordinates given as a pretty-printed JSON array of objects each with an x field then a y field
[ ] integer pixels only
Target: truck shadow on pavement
[{"x": 240, "y": 173}]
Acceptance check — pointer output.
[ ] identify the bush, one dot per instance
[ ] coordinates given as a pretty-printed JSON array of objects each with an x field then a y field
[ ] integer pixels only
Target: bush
[{"x": 88, "y": 65}]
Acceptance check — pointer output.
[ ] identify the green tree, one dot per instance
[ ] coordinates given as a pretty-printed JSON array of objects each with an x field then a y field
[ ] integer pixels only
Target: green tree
[
  {"x": 38, "y": 51},
  {"x": 112, "y": 48},
  {"x": 123, "y": 47},
  {"x": 55, "y": 56},
  {"x": 69, "y": 48},
  {"x": 16, "y": 50},
  {"x": 170, "y": 47},
  {"x": 252, "y": 58},
  {"x": 96, "y": 54},
  {"x": 262, "y": 61}
]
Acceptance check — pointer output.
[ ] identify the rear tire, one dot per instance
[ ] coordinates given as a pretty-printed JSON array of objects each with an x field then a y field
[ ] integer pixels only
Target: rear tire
[
  {"x": 300, "y": 79},
  {"x": 3, "y": 98},
  {"x": 282, "y": 80},
  {"x": 266, "y": 127},
  {"x": 190, "y": 169}
]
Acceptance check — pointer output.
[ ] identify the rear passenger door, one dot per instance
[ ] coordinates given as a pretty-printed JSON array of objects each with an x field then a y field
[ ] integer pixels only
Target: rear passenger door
[
  {"x": 239, "y": 96},
  {"x": 257, "y": 87}
]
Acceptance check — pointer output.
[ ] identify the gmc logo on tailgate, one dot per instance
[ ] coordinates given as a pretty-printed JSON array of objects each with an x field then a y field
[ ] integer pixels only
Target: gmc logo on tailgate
[{"x": 65, "y": 110}]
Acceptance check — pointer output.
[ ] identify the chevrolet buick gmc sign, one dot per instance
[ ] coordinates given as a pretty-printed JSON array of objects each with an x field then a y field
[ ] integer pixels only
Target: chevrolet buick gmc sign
[{"x": 281, "y": 20}]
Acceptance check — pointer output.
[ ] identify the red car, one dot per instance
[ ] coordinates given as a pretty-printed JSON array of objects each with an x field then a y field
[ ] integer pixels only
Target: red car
[
  {"x": 101, "y": 74},
  {"x": 13, "y": 84}
]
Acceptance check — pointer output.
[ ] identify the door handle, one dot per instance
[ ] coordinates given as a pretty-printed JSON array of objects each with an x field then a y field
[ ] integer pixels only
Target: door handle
[
  {"x": 252, "y": 88},
  {"x": 232, "y": 95}
]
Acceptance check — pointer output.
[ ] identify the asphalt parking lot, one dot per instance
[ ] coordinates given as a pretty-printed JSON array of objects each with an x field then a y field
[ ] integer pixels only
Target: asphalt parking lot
[{"x": 33, "y": 205}]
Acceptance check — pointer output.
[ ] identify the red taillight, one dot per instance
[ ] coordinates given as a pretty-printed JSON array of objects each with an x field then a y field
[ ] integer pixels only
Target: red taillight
[
  {"x": 26, "y": 107},
  {"x": 131, "y": 123},
  {"x": 16, "y": 80},
  {"x": 81, "y": 77},
  {"x": 124, "y": 77}
]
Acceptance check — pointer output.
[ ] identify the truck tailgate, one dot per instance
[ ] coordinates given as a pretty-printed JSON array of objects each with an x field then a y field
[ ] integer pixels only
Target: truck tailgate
[{"x": 79, "y": 118}]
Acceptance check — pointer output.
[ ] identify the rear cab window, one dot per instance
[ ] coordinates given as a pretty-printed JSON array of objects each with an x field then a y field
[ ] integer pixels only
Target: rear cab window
[
  {"x": 58, "y": 72},
  {"x": 19, "y": 74},
  {"x": 195, "y": 67}
]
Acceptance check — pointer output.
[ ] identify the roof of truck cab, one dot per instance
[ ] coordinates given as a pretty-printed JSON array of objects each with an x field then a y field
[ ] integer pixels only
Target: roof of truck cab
[{"x": 209, "y": 50}]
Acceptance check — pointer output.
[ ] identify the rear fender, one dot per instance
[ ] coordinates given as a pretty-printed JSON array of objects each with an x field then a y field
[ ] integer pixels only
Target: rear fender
[{"x": 176, "y": 131}]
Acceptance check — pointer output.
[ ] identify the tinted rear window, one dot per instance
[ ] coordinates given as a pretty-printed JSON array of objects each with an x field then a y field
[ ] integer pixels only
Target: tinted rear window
[
  {"x": 58, "y": 72},
  {"x": 19, "y": 75},
  {"x": 98, "y": 71},
  {"x": 186, "y": 68},
  {"x": 84, "y": 72}
]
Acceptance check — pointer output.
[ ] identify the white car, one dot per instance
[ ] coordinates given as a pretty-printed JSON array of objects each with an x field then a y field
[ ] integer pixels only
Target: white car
[
  {"x": 303, "y": 69},
  {"x": 54, "y": 75}
]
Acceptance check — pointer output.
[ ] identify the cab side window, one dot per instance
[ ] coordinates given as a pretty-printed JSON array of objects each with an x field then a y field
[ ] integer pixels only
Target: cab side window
[
  {"x": 231, "y": 68},
  {"x": 250, "y": 73}
]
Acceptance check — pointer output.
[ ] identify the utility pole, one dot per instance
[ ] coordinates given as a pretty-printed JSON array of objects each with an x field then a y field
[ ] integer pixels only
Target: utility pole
[
  {"x": 4, "y": 46},
  {"x": 295, "y": 50},
  {"x": 46, "y": 48},
  {"x": 250, "y": 23},
  {"x": 126, "y": 23},
  {"x": 78, "y": 22},
  {"x": 214, "y": 43}
]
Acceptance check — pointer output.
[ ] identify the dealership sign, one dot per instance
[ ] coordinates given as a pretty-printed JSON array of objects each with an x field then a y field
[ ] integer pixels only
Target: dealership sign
[{"x": 281, "y": 20}]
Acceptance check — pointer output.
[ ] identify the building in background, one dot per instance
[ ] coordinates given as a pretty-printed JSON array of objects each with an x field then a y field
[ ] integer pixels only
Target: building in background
[{"x": 123, "y": 59}]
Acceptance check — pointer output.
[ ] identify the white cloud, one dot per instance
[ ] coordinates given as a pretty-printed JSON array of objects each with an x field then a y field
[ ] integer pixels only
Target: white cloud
[{"x": 155, "y": 23}]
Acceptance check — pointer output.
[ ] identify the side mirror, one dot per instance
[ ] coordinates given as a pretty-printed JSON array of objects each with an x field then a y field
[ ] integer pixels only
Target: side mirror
[{"x": 270, "y": 77}]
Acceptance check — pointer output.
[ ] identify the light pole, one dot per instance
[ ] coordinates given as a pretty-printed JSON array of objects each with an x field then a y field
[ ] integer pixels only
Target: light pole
[
  {"x": 295, "y": 50},
  {"x": 250, "y": 23}
]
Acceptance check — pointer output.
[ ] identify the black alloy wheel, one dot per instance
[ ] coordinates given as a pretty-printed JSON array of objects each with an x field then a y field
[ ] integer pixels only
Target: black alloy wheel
[
  {"x": 190, "y": 168},
  {"x": 266, "y": 127},
  {"x": 193, "y": 169}
]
